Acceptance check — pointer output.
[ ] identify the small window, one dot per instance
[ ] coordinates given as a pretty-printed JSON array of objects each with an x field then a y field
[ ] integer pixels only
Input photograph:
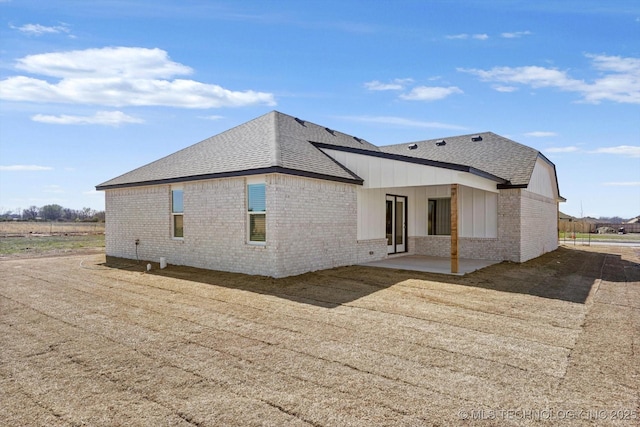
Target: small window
[
  {"x": 177, "y": 213},
  {"x": 257, "y": 212},
  {"x": 439, "y": 217}
]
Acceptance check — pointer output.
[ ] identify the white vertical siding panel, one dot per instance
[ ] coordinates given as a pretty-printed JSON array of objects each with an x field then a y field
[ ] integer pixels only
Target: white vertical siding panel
[
  {"x": 420, "y": 208},
  {"x": 479, "y": 213},
  {"x": 371, "y": 214},
  {"x": 491, "y": 215},
  {"x": 465, "y": 219},
  {"x": 386, "y": 173},
  {"x": 543, "y": 180}
]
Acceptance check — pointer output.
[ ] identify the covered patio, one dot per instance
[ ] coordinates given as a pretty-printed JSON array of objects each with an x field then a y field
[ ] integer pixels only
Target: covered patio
[{"x": 431, "y": 264}]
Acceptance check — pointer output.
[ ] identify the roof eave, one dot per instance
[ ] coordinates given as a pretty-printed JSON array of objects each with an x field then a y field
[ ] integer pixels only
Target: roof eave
[{"x": 248, "y": 172}]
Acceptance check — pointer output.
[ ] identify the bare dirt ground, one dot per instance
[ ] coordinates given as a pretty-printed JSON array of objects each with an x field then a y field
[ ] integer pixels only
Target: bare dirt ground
[{"x": 555, "y": 341}]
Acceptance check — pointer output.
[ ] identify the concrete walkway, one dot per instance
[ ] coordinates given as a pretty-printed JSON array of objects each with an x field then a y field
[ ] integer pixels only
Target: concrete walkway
[{"x": 430, "y": 264}]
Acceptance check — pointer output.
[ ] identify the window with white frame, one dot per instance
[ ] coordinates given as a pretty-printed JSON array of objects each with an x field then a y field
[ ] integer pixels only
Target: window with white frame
[
  {"x": 257, "y": 212},
  {"x": 177, "y": 213},
  {"x": 439, "y": 217}
]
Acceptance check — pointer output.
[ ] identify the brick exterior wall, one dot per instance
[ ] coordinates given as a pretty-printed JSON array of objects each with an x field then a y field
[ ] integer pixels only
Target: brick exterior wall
[
  {"x": 431, "y": 245},
  {"x": 371, "y": 250},
  {"x": 509, "y": 220},
  {"x": 311, "y": 225},
  {"x": 539, "y": 229},
  {"x": 214, "y": 227},
  {"x": 527, "y": 228}
]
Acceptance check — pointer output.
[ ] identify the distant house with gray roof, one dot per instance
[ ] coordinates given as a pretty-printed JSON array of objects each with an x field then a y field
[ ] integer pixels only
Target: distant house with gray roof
[{"x": 279, "y": 196}]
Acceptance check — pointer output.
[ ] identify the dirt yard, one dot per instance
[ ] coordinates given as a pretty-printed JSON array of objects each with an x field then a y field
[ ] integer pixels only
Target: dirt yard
[{"x": 555, "y": 341}]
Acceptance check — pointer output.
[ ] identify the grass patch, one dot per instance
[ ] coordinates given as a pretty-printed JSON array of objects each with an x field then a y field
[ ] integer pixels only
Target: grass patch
[{"x": 44, "y": 244}]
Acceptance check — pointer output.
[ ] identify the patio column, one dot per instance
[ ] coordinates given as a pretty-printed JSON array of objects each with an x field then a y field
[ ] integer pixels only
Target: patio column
[{"x": 454, "y": 228}]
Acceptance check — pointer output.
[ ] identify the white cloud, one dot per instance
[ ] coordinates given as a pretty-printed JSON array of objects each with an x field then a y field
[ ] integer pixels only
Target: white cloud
[
  {"x": 465, "y": 36},
  {"x": 108, "y": 62},
  {"x": 505, "y": 89},
  {"x": 623, "y": 150},
  {"x": 116, "y": 77},
  {"x": 531, "y": 75},
  {"x": 20, "y": 168},
  {"x": 109, "y": 118},
  {"x": 620, "y": 81},
  {"x": 458, "y": 37},
  {"x": 515, "y": 34},
  {"x": 401, "y": 121},
  {"x": 395, "y": 84},
  {"x": 622, "y": 85},
  {"x": 541, "y": 134},
  {"x": 38, "y": 30},
  {"x": 623, "y": 184},
  {"x": 569, "y": 149},
  {"x": 212, "y": 117},
  {"x": 430, "y": 93}
]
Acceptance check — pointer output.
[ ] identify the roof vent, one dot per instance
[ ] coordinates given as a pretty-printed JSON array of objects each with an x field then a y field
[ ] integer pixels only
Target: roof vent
[
  {"x": 412, "y": 146},
  {"x": 441, "y": 143},
  {"x": 476, "y": 138},
  {"x": 332, "y": 132},
  {"x": 358, "y": 139},
  {"x": 299, "y": 121}
]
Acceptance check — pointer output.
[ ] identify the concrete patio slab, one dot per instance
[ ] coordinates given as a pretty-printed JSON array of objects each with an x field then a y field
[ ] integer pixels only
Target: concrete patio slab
[{"x": 431, "y": 264}]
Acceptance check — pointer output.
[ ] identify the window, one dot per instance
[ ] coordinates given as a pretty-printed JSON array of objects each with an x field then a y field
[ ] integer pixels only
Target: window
[
  {"x": 439, "y": 217},
  {"x": 177, "y": 210},
  {"x": 257, "y": 208}
]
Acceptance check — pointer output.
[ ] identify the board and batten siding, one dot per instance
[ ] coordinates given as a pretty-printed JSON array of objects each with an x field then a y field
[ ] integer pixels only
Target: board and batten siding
[
  {"x": 478, "y": 215},
  {"x": 379, "y": 172},
  {"x": 419, "y": 183},
  {"x": 543, "y": 181}
]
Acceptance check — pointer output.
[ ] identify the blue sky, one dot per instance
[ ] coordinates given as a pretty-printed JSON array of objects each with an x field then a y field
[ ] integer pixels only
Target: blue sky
[{"x": 92, "y": 89}]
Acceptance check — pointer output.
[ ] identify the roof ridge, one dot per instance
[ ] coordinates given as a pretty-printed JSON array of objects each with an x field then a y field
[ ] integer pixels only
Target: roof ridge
[{"x": 277, "y": 152}]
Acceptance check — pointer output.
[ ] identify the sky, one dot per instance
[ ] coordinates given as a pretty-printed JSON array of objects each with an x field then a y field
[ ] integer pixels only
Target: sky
[{"x": 93, "y": 89}]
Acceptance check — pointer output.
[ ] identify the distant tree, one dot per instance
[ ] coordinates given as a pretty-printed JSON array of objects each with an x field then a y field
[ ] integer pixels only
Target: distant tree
[
  {"x": 69, "y": 214},
  {"x": 99, "y": 216},
  {"x": 52, "y": 212},
  {"x": 86, "y": 214},
  {"x": 6, "y": 215},
  {"x": 31, "y": 213}
]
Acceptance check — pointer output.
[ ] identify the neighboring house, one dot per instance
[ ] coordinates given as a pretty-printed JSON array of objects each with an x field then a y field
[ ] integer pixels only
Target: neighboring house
[{"x": 279, "y": 196}]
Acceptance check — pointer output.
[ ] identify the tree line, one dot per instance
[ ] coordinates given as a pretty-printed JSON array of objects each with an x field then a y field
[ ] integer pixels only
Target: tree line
[{"x": 54, "y": 213}]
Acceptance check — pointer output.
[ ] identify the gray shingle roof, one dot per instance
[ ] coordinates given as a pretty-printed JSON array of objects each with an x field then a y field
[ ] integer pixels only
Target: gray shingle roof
[
  {"x": 276, "y": 142},
  {"x": 269, "y": 143},
  {"x": 493, "y": 154}
]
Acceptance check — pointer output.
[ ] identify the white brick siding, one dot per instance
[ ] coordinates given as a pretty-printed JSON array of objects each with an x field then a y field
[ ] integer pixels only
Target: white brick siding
[
  {"x": 371, "y": 250},
  {"x": 214, "y": 226},
  {"x": 539, "y": 231},
  {"x": 311, "y": 225},
  {"x": 527, "y": 228},
  {"x": 509, "y": 220}
]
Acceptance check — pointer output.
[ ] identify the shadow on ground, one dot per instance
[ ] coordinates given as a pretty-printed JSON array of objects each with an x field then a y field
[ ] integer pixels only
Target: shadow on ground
[{"x": 564, "y": 274}]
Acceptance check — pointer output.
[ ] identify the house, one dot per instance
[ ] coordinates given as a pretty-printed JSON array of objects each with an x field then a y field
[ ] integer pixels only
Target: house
[{"x": 279, "y": 196}]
